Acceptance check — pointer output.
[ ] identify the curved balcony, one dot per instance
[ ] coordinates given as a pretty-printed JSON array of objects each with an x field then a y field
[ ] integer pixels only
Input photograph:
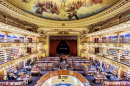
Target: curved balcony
[
  {"x": 118, "y": 64},
  {"x": 63, "y": 72},
  {"x": 18, "y": 59}
]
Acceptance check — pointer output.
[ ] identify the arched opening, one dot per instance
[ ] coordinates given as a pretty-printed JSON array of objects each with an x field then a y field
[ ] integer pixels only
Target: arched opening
[{"x": 62, "y": 48}]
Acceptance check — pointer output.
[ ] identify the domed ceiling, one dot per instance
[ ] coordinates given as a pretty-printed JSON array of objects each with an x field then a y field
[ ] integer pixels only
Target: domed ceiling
[{"x": 63, "y": 9}]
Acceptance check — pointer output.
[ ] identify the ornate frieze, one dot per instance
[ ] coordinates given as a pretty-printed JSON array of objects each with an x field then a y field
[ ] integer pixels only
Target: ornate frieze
[{"x": 111, "y": 12}]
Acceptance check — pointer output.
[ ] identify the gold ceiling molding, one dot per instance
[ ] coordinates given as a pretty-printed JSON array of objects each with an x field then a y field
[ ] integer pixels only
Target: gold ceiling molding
[{"x": 7, "y": 7}]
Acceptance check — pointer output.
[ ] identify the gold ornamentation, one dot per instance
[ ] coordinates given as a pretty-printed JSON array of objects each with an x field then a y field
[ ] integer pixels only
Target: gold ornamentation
[{"x": 40, "y": 21}]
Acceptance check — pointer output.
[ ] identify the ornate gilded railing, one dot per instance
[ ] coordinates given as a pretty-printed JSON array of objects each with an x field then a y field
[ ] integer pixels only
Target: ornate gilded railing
[{"x": 62, "y": 72}]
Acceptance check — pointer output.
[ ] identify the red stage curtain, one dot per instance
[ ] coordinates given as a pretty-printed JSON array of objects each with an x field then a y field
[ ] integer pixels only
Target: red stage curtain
[
  {"x": 53, "y": 46},
  {"x": 73, "y": 47}
]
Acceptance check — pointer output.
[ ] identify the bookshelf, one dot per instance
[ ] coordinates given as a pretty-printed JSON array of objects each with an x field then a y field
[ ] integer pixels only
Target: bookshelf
[
  {"x": 116, "y": 83},
  {"x": 2, "y": 56},
  {"x": 11, "y": 53},
  {"x": 12, "y": 83},
  {"x": 127, "y": 76},
  {"x": 125, "y": 56}
]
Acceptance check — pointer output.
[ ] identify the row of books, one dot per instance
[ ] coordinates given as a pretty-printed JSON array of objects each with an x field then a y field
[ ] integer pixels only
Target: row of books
[
  {"x": 11, "y": 83},
  {"x": 116, "y": 83},
  {"x": 127, "y": 75},
  {"x": 2, "y": 56}
]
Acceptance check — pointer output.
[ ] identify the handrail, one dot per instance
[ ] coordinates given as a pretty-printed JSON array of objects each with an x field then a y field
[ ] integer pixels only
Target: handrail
[
  {"x": 125, "y": 41},
  {"x": 19, "y": 57},
  {"x": 122, "y": 62},
  {"x": 111, "y": 59},
  {"x": 16, "y": 41},
  {"x": 62, "y": 72}
]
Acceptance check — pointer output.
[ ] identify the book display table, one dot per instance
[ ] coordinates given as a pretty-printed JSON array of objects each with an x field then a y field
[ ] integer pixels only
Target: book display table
[
  {"x": 99, "y": 78},
  {"x": 106, "y": 74},
  {"x": 25, "y": 78},
  {"x": 35, "y": 70},
  {"x": 91, "y": 71}
]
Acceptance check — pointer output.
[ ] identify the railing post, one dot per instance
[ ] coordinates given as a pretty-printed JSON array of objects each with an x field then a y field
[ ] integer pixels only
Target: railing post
[
  {"x": 5, "y": 73},
  {"x": 119, "y": 51}
]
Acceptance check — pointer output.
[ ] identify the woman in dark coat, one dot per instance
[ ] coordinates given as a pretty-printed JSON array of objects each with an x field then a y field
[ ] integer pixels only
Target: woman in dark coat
[{"x": 61, "y": 59}]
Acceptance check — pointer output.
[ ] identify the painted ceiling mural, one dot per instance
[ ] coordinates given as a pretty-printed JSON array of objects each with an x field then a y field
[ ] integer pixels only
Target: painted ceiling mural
[{"x": 63, "y": 9}]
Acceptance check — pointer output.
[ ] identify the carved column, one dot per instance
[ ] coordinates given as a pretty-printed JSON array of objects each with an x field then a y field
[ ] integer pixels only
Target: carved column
[
  {"x": 25, "y": 38},
  {"x": 118, "y": 34},
  {"x": 6, "y": 33},
  {"x": 32, "y": 59},
  {"x": 119, "y": 73},
  {"x": 36, "y": 41},
  {"x": 25, "y": 50},
  {"x": 100, "y": 64},
  {"x": 37, "y": 57},
  {"x": 89, "y": 39},
  {"x": 5, "y": 55},
  {"x": 5, "y": 73},
  {"x": 100, "y": 38},
  {"x": 118, "y": 37},
  {"x": 118, "y": 57}
]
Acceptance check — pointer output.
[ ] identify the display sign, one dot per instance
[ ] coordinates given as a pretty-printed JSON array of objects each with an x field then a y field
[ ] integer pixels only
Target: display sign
[
  {"x": 128, "y": 16},
  {"x": 62, "y": 77}
]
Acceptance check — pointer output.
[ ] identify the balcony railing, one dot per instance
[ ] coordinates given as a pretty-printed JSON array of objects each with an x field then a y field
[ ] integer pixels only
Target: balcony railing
[
  {"x": 125, "y": 62},
  {"x": 16, "y": 41},
  {"x": 17, "y": 57},
  {"x": 62, "y": 72},
  {"x": 125, "y": 41}
]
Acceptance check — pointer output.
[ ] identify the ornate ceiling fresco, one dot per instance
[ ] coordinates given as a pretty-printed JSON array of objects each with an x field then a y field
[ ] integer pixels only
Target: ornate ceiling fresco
[{"x": 63, "y": 9}]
